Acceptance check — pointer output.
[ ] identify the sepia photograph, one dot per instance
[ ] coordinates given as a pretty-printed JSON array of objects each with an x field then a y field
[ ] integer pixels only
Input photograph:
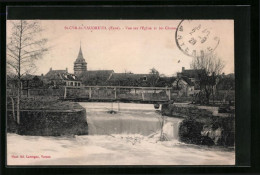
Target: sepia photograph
[{"x": 120, "y": 92}]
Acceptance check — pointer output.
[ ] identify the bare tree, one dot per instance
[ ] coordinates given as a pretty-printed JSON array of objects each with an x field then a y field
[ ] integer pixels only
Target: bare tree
[
  {"x": 154, "y": 71},
  {"x": 25, "y": 46},
  {"x": 210, "y": 63},
  {"x": 209, "y": 68}
]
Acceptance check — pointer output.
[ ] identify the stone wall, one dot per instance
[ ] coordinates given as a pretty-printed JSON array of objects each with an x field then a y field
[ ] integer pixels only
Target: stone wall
[
  {"x": 49, "y": 122},
  {"x": 200, "y": 126}
]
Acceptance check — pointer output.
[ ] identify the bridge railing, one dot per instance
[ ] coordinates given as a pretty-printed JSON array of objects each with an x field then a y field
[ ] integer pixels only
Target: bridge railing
[
  {"x": 119, "y": 92},
  {"x": 99, "y": 92},
  {"x": 35, "y": 92}
]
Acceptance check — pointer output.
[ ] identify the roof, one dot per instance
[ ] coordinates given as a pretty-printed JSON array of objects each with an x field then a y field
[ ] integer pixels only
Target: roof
[
  {"x": 122, "y": 76},
  {"x": 191, "y": 73},
  {"x": 130, "y": 79},
  {"x": 96, "y": 77},
  {"x": 31, "y": 77},
  {"x": 68, "y": 76},
  {"x": 11, "y": 76},
  {"x": 187, "y": 80},
  {"x": 52, "y": 74},
  {"x": 80, "y": 58},
  {"x": 61, "y": 75},
  {"x": 99, "y": 72},
  {"x": 165, "y": 81}
]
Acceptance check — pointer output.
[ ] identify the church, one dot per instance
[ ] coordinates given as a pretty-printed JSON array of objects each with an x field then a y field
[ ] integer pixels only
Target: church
[
  {"x": 80, "y": 65},
  {"x": 81, "y": 75},
  {"x": 90, "y": 77},
  {"x": 84, "y": 77}
]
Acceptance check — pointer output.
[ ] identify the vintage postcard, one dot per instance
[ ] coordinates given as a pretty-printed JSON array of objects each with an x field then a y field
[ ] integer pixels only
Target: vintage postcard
[{"x": 120, "y": 92}]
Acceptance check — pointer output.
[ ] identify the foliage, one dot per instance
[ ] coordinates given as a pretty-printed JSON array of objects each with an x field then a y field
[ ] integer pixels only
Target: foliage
[{"x": 226, "y": 82}]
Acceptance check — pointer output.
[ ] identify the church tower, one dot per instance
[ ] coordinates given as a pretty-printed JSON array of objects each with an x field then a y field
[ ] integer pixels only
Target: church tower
[{"x": 80, "y": 65}]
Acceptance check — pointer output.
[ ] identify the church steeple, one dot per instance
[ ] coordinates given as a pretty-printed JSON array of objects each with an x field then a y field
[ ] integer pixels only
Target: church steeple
[
  {"x": 80, "y": 65},
  {"x": 80, "y": 57}
]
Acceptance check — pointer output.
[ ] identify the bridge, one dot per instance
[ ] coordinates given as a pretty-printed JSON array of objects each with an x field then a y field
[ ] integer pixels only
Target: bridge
[
  {"x": 100, "y": 93},
  {"x": 117, "y": 93}
]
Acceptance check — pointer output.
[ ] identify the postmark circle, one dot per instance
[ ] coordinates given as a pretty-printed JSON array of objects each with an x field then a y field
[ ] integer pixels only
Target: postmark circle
[{"x": 196, "y": 38}]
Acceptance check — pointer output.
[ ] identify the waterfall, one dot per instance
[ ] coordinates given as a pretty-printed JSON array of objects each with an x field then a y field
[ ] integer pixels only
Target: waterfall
[
  {"x": 131, "y": 119},
  {"x": 171, "y": 129}
]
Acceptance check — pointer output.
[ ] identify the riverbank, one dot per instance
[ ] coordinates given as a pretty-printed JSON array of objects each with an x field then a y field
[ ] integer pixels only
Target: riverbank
[
  {"x": 202, "y": 125},
  {"x": 47, "y": 117}
]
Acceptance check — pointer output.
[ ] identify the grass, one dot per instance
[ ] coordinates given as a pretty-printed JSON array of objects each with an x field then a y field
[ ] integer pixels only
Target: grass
[{"x": 47, "y": 103}]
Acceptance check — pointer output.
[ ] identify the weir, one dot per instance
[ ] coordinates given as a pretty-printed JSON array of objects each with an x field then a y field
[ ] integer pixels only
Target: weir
[{"x": 132, "y": 118}]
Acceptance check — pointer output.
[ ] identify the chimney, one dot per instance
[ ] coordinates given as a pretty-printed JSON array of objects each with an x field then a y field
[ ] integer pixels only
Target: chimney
[
  {"x": 179, "y": 75},
  {"x": 202, "y": 53},
  {"x": 41, "y": 77},
  {"x": 183, "y": 68},
  {"x": 51, "y": 69},
  {"x": 66, "y": 70}
]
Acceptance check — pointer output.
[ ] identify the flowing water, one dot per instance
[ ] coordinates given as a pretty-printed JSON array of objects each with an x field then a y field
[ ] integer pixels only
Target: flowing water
[
  {"x": 128, "y": 136},
  {"x": 129, "y": 118}
]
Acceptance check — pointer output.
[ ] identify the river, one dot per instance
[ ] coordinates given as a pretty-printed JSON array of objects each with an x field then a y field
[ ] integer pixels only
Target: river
[{"x": 130, "y": 136}]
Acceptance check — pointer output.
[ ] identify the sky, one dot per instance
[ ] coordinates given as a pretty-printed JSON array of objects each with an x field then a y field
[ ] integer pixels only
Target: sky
[{"x": 114, "y": 46}]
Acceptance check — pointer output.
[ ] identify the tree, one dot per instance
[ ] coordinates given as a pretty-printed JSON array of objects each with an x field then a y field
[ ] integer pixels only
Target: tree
[
  {"x": 25, "y": 46},
  {"x": 154, "y": 76},
  {"x": 209, "y": 63},
  {"x": 209, "y": 67}
]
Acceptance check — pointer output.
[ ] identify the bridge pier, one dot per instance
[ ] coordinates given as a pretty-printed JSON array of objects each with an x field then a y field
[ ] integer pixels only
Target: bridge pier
[
  {"x": 143, "y": 95},
  {"x": 65, "y": 92},
  {"x": 115, "y": 94},
  {"x": 169, "y": 93},
  {"x": 90, "y": 92}
]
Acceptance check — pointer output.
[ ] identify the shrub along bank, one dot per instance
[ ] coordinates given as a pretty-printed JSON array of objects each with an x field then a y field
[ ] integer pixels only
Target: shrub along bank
[
  {"x": 47, "y": 117},
  {"x": 201, "y": 127}
]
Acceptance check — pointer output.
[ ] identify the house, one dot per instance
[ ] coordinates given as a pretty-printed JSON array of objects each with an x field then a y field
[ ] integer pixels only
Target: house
[
  {"x": 11, "y": 81},
  {"x": 95, "y": 77},
  {"x": 58, "y": 78},
  {"x": 90, "y": 77},
  {"x": 165, "y": 81},
  {"x": 193, "y": 75},
  {"x": 130, "y": 79},
  {"x": 32, "y": 81},
  {"x": 110, "y": 78},
  {"x": 184, "y": 86},
  {"x": 71, "y": 80},
  {"x": 27, "y": 81}
]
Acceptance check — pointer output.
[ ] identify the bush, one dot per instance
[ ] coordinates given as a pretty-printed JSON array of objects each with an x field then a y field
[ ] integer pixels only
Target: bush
[{"x": 197, "y": 122}]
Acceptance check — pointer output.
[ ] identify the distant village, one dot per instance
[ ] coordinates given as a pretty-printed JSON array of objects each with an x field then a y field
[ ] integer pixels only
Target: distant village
[{"x": 186, "y": 83}]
